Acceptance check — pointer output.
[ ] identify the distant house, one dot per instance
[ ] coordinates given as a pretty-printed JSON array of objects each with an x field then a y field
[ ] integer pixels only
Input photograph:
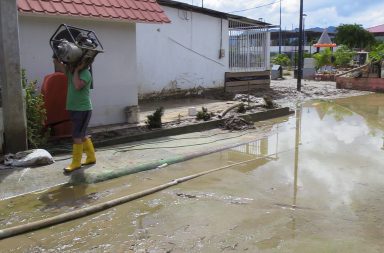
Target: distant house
[
  {"x": 115, "y": 23},
  {"x": 289, "y": 39},
  {"x": 198, "y": 48},
  {"x": 377, "y": 31}
]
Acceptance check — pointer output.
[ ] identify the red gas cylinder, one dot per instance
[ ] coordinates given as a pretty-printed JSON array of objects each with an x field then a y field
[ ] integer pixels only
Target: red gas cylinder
[{"x": 54, "y": 89}]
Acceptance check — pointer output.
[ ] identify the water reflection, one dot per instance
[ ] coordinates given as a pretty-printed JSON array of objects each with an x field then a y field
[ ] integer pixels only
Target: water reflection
[
  {"x": 336, "y": 148},
  {"x": 368, "y": 107},
  {"x": 339, "y": 139}
]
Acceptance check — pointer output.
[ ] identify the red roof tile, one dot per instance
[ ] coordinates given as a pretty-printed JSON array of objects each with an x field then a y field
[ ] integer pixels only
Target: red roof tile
[
  {"x": 121, "y": 13},
  {"x": 82, "y": 10},
  {"x": 114, "y": 3},
  {"x": 147, "y": 11},
  {"x": 47, "y": 6},
  {"x": 123, "y": 4}
]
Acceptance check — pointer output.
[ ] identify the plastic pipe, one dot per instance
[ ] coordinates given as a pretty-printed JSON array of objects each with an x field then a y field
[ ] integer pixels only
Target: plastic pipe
[{"x": 24, "y": 228}]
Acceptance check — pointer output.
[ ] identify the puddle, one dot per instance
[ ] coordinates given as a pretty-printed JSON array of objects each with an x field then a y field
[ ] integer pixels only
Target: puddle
[{"x": 315, "y": 185}]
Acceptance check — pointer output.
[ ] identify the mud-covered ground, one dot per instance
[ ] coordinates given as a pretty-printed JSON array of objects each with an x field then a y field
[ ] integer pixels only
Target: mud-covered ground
[
  {"x": 284, "y": 92},
  {"x": 313, "y": 183}
]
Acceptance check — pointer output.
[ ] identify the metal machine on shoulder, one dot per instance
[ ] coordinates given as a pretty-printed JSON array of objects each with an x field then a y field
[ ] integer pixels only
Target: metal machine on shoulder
[{"x": 73, "y": 45}]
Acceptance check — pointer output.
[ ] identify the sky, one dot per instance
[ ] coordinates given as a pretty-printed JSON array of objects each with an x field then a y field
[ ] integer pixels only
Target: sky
[{"x": 320, "y": 13}]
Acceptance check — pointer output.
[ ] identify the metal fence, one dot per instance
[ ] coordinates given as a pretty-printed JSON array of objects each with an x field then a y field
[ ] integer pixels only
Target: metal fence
[{"x": 247, "y": 47}]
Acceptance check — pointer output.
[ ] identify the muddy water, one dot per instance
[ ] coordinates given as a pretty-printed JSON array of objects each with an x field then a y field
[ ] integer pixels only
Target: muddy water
[{"x": 316, "y": 184}]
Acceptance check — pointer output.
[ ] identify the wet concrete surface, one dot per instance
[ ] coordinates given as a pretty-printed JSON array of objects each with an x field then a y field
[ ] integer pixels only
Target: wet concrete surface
[
  {"x": 120, "y": 159},
  {"x": 315, "y": 185}
]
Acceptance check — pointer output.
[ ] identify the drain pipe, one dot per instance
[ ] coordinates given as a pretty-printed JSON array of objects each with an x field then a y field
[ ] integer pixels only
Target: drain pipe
[{"x": 24, "y": 228}]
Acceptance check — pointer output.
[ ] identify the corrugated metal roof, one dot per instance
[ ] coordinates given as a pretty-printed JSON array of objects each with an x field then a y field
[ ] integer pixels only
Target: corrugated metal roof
[
  {"x": 376, "y": 29},
  {"x": 147, "y": 11}
]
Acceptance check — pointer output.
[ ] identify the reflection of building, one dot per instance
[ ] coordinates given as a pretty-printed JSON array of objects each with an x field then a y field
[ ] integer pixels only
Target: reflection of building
[
  {"x": 370, "y": 107},
  {"x": 262, "y": 151},
  {"x": 259, "y": 148}
]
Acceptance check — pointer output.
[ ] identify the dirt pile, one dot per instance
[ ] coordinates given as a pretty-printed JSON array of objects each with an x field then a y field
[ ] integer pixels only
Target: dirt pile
[{"x": 236, "y": 123}]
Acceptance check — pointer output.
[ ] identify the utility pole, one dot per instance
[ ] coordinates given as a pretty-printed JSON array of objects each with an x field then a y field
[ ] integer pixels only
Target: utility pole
[
  {"x": 300, "y": 56},
  {"x": 202, "y": 3},
  {"x": 280, "y": 31},
  {"x": 304, "y": 38},
  {"x": 15, "y": 123}
]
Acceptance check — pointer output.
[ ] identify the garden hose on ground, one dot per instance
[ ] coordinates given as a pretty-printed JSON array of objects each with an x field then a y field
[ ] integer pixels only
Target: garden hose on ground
[
  {"x": 129, "y": 147},
  {"x": 24, "y": 228}
]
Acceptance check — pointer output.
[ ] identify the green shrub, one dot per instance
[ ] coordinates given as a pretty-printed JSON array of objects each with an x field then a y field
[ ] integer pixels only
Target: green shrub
[
  {"x": 203, "y": 114},
  {"x": 343, "y": 56},
  {"x": 154, "y": 120},
  {"x": 377, "y": 54},
  {"x": 323, "y": 58},
  {"x": 281, "y": 59},
  {"x": 36, "y": 113}
]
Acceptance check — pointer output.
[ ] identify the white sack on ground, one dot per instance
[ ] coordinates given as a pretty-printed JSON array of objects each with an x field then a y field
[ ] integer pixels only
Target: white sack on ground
[{"x": 34, "y": 157}]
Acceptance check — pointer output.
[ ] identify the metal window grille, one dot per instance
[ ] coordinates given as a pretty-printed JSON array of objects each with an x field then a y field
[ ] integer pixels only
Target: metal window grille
[{"x": 247, "y": 47}]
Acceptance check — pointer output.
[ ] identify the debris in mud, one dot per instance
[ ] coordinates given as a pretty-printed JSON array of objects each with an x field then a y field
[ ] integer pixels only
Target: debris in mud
[
  {"x": 269, "y": 103},
  {"x": 230, "y": 247},
  {"x": 250, "y": 98},
  {"x": 184, "y": 195},
  {"x": 236, "y": 123},
  {"x": 241, "y": 108}
]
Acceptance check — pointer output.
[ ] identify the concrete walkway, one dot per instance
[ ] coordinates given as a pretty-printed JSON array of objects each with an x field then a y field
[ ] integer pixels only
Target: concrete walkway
[{"x": 119, "y": 160}]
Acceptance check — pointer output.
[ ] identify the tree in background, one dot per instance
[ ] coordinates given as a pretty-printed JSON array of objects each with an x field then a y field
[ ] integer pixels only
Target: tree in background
[
  {"x": 343, "y": 56},
  {"x": 354, "y": 36}
]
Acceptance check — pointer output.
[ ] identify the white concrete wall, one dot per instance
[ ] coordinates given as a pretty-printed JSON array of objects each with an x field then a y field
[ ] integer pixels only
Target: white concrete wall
[
  {"x": 183, "y": 54},
  {"x": 115, "y": 78}
]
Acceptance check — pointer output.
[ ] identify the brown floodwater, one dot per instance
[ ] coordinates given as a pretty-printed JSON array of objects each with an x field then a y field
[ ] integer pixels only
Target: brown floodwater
[{"x": 316, "y": 184}]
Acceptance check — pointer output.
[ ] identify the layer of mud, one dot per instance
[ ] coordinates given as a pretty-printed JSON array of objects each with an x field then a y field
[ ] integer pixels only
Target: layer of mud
[{"x": 315, "y": 185}]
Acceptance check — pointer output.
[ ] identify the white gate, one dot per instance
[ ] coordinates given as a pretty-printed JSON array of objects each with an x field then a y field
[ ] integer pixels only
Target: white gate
[{"x": 248, "y": 47}]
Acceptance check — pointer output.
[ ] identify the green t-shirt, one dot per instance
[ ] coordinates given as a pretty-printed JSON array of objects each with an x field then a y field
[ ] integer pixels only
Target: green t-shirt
[{"x": 79, "y": 100}]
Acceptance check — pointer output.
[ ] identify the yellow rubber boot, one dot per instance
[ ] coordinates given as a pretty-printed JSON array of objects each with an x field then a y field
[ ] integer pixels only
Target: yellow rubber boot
[
  {"x": 77, "y": 153},
  {"x": 90, "y": 151}
]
